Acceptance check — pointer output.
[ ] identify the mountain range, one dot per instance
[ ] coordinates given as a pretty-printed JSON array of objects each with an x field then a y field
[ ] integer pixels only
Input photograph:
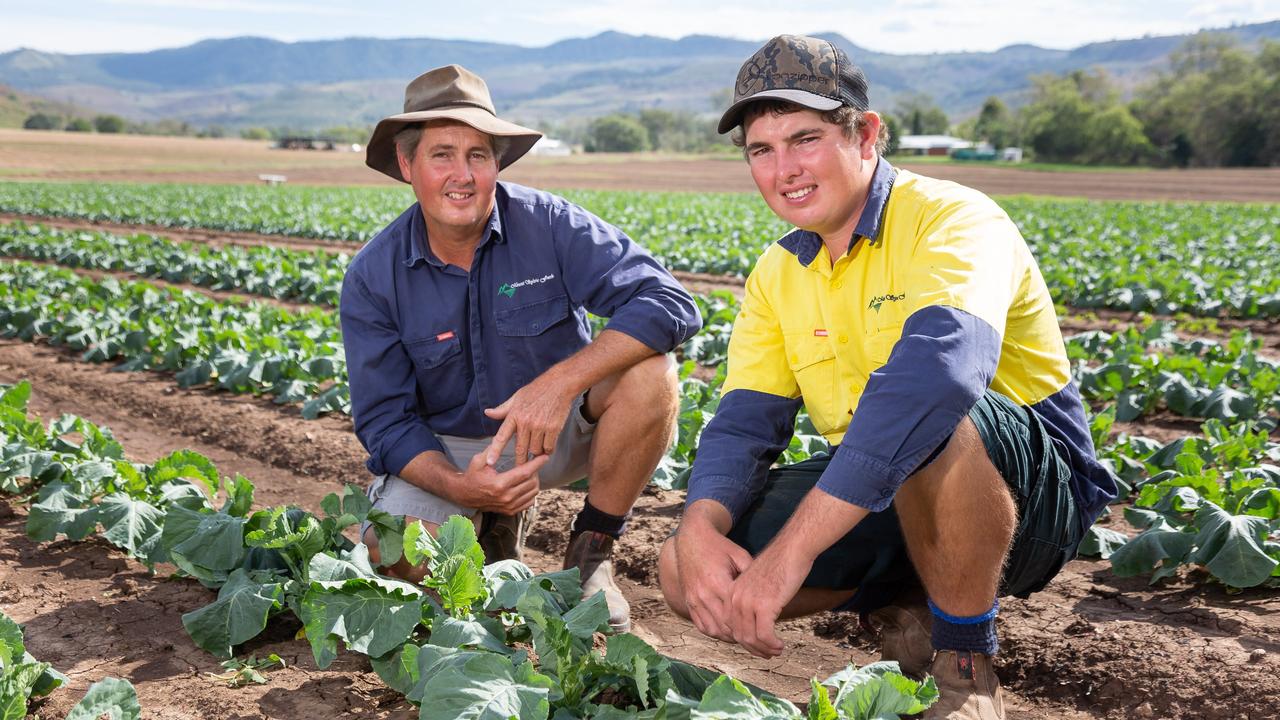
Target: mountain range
[{"x": 253, "y": 81}]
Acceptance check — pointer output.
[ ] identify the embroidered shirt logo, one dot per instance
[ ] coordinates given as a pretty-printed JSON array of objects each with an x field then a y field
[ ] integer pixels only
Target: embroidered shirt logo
[
  {"x": 509, "y": 289},
  {"x": 879, "y": 300}
]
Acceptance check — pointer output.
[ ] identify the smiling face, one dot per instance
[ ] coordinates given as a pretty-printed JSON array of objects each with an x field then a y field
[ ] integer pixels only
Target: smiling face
[
  {"x": 809, "y": 173},
  {"x": 454, "y": 174}
]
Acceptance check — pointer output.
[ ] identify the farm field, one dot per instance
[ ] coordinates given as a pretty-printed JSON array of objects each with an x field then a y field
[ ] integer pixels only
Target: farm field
[
  {"x": 1170, "y": 308},
  {"x": 34, "y": 155}
]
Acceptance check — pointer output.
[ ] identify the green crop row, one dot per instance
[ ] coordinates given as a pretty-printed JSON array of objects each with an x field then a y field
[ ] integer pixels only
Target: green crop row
[
  {"x": 1164, "y": 257},
  {"x": 1211, "y": 503},
  {"x": 244, "y": 348},
  {"x": 290, "y": 356},
  {"x": 477, "y": 641},
  {"x": 298, "y": 275},
  {"x": 1144, "y": 370}
]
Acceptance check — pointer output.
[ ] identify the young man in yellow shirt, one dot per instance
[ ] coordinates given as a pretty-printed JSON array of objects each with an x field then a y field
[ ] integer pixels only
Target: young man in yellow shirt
[{"x": 909, "y": 318}]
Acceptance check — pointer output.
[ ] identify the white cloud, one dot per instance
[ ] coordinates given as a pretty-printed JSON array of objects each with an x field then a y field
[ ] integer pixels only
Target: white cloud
[
  {"x": 898, "y": 26},
  {"x": 61, "y": 35},
  {"x": 243, "y": 6}
]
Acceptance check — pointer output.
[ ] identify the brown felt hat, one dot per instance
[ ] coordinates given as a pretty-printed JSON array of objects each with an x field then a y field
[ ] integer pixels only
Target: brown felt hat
[{"x": 451, "y": 92}]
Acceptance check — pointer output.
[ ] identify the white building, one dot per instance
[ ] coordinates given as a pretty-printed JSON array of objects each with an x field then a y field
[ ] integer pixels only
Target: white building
[
  {"x": 931, "y": 144},
  {"x": 551, "y": 147}
]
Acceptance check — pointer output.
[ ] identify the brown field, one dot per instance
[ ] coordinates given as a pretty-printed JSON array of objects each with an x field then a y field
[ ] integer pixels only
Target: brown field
[
  {"x": 33, "y": 155},
  {"x": 1091, "y": 645}
]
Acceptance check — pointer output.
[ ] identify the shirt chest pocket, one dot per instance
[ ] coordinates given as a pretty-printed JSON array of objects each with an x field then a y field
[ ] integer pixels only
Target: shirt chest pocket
[
  {"x": 441, "y": 371},
  {"x": 532, "y": 319},
  {"x": 813, "y": 362}
]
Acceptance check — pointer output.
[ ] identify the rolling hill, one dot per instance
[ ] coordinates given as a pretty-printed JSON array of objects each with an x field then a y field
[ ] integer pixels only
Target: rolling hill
[{"x": 250, "y": 81}]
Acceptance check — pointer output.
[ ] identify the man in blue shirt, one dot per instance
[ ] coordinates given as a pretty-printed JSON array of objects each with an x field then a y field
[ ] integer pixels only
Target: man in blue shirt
[{"x": 475, "y": 381}]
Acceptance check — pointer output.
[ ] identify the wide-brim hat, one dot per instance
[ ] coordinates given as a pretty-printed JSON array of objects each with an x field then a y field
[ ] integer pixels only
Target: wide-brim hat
[{"x": 451, "y": 92}]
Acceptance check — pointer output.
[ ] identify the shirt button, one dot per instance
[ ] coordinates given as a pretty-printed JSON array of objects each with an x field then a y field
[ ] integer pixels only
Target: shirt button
[
  {"x": 795, "y": 358},
  {"x": 844, "y": 338},
  {"x": 837, "y": 285},
  {"x": 535, "y": 326}
]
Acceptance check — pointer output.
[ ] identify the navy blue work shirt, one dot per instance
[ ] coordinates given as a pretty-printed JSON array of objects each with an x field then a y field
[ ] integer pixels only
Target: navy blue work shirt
[{"x": 429, "y": 345}]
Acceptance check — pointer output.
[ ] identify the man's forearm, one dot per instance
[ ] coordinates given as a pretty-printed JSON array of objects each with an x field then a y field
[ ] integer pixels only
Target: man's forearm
[
  {"x": 432, "y": 471},
  {"x": 704, "y": 514},
  {"x": 818, "y": 522},
  {"x": 610, "y": 353}
]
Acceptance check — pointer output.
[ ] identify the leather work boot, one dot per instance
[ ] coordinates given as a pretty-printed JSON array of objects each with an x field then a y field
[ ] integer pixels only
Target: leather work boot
[
  {"x": 905, "y": 634},
  {"x": 501, "y": 537},
  {"x": 592, "y": 553},
  {"x": 968, "y": 687}
]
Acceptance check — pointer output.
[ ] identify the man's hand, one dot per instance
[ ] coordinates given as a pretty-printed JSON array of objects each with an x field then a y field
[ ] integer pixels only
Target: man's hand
[
  {"x": 708, "y": 563},
  {"x": 776, "y": 575},
  {"x": 534, "y": 416},
  {"x": 482, "y": 487},
  {"x": 759, "y": 594}
]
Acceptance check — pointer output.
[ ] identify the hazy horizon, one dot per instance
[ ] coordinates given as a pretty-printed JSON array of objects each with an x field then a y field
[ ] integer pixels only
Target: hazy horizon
[{"x": 907, "y": 27}]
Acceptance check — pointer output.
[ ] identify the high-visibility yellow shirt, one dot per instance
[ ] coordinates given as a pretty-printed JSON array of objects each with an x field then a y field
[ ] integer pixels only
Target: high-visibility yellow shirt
[{"x": 889, "y": 346}]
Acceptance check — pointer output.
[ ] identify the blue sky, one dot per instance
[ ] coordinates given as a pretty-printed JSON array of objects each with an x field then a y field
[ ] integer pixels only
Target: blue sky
[{"x": 905, "y": 26}]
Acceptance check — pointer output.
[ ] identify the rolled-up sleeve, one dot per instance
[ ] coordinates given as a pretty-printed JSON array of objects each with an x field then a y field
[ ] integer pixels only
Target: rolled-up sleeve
[
  {"x": 611, "y": 276},
  {"x": 383, "y": 389}
]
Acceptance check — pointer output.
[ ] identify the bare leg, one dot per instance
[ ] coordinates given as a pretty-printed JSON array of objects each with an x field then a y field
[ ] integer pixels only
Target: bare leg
[
  {"x": 958, "y": 519},
  {"x": 403, "y": 569},
  {"x": 635, "y": 412}
]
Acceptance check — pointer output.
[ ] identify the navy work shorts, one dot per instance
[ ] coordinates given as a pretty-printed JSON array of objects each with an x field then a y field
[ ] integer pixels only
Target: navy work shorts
[{"x": 873, "y": 556}]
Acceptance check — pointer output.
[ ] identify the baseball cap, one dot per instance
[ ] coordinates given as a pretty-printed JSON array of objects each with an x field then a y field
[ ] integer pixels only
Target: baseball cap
[{"x": 803, "y": 70}]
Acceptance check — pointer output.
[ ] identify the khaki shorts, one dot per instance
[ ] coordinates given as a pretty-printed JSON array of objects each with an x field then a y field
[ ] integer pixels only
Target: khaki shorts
[{"x": 568, "y": 463}]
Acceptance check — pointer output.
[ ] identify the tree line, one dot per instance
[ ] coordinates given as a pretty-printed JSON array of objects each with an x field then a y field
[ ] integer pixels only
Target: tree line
[{"x": 1216, "y": 104}]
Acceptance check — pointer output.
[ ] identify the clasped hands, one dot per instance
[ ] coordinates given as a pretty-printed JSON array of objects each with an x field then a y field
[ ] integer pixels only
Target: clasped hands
[
  {"x": 533, "y": 418},
  {"x": 734, "y": 597}
]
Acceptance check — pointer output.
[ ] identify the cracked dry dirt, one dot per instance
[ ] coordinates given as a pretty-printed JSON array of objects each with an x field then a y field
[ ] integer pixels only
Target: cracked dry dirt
[{"x": 1090, "y": 645}]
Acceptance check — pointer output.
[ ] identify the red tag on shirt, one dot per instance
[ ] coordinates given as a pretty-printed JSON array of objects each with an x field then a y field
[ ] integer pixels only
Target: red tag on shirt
[
  {"x": 819, "y": 333},
  {"x": 444, "y": 336}
]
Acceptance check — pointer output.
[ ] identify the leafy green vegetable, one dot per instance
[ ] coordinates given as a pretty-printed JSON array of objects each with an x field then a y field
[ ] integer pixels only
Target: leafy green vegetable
[
  {"x": 110, "y": 697},
  {"x": 241, "y": 611}
]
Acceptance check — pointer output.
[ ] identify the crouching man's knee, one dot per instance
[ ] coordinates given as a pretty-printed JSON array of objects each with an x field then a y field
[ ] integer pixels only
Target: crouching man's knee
[{"x": 403, "y": 569}]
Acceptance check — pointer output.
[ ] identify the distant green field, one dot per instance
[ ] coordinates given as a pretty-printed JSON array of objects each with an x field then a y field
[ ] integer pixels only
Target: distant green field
[{"x": 1199, "y": 258}]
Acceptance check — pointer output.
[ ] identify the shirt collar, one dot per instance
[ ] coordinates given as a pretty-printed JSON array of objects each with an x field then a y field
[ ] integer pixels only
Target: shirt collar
[
  {"x": 877, "y": 199},
  {"x": 420, "y": 251},
  {"x": 805, "y": 244}
]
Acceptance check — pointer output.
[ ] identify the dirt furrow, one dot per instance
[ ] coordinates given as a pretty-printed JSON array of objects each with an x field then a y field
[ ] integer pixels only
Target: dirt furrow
[{"x": 1090, "y": 645}]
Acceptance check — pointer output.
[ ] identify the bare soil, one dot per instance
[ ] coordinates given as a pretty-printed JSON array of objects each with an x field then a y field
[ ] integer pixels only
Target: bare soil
[
  {"x": 1090, "y": 645},
  {"x": 35, "y": 155}
]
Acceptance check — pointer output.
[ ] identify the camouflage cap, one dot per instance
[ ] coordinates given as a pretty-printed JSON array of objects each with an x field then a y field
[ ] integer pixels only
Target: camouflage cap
[{"x": 803, "y": 70}]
